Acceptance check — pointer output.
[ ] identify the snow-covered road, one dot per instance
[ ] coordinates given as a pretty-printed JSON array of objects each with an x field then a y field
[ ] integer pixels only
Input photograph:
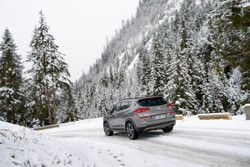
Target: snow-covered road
[{"x": 192, "y": 143}]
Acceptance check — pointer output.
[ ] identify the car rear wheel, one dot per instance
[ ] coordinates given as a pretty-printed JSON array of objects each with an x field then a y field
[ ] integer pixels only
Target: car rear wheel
[
  {"x": 107, "y": 130},
  {"x": 168, "y": 129},
  {"x": 131, "y": 132}
]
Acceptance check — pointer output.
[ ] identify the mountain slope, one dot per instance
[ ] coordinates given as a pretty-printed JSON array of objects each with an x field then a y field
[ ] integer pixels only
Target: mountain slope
[{"x": 178, "y": 49}]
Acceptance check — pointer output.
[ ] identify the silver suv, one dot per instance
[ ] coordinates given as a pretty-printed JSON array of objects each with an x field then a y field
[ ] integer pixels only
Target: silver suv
[{"x": 138, "y": 115}]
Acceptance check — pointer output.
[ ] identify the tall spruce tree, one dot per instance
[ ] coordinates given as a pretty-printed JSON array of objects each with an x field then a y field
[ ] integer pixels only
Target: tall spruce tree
[
  {"x": 11, "y": 81},
  {"x": 158, "y": 76},
  {"x": 144, "y": 69},
  {"x": 49, "y": 74},
  {"x": 179, "y": 90}
]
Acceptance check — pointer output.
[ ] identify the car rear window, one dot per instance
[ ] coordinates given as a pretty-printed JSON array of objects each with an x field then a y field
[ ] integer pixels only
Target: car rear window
[{"x": 152, "y": 101}]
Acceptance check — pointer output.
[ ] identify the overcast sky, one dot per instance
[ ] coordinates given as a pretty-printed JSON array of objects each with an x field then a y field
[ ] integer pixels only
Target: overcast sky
[{"x": 79, "y": 26}]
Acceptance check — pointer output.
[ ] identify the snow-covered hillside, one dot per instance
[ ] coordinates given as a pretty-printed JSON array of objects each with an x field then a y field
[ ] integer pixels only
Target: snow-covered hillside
[
  {"x": 192, "y": 143},
  {"x": 180, "y": 49}
]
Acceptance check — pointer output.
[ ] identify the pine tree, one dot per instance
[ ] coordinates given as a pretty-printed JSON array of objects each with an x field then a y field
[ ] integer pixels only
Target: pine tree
[
  {"x": 129, "y": 88},
  {"x": 121, "y": 78},
  {"x": 198, "y": 75},
  {"x": 104, "y": 80},
  {"x": 179, "y": 90},
  {"x": 143, "y": 69},
  {"x": 11, "y": 81},
  {"x": 111, "y": 76},
  {"x": 158, "y": 68},
  {"x": 103, "y": 106},
  {"x": 235, "y": 93},
  {"x": 49, "y": 73}
]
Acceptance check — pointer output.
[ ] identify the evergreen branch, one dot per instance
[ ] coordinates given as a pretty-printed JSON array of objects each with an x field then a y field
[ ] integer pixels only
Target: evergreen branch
[
  {"x": 240, "y": 54},
  {"x": 240, "y": 43}
]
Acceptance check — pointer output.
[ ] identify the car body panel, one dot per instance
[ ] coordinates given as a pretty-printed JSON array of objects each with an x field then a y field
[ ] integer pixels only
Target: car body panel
[{"x": 155, "y": 117}]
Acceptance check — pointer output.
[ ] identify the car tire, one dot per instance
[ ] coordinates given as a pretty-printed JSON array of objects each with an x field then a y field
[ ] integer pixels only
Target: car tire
[
  {"x": 168, "y": 129},
  {"x": 107, "y": 130},
  {"x": 131, "y": 131}
]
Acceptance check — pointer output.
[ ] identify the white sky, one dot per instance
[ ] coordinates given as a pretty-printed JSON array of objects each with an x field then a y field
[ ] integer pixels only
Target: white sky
[{"x": 79, "y": 26}]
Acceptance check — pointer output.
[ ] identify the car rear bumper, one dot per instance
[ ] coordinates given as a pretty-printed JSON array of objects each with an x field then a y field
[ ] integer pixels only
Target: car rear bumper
[{"x": 157, "y": 126}]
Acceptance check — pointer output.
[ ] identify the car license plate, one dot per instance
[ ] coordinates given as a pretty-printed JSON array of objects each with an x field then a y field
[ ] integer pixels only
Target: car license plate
[{"x": 160, "y": 116}]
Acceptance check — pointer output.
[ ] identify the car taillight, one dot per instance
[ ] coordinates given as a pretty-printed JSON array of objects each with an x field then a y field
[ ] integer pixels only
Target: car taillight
[
  {"x": 172, "y": 112},
  {"x": 138, "y": 110},
  {"x": 143, "y": 117},
  {"x": 169, "y": 105}
]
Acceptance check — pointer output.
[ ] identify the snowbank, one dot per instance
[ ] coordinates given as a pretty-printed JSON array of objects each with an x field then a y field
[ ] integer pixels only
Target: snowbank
[{"x": 24, "y": 147}]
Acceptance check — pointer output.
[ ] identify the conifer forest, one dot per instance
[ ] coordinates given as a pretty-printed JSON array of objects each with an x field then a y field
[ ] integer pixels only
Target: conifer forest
[{"x": 196, "y": 54}]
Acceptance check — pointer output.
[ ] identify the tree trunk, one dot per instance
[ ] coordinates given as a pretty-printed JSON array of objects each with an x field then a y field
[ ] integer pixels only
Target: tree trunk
[
  {"x": 54, "y": 104},
  {"x": 13, "y": 114},
  {"x": 48, "y": 103}
]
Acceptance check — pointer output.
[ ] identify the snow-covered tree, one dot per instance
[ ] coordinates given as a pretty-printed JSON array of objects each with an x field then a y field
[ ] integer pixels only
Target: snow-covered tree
[
  {"x": 49, "y": 74},
  {"x": 102, "y": 106},
  {"x": 235, "y": 93},
  {"x": 158, "y": 75},
  {"x": 222, "y": 39},
  {"x": 11, "y": 81},
  {"x": 144, "y": 69}
]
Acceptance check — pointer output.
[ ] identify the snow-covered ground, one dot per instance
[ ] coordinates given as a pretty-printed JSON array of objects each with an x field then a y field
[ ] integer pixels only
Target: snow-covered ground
[{"x": 193, "y": 142}]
